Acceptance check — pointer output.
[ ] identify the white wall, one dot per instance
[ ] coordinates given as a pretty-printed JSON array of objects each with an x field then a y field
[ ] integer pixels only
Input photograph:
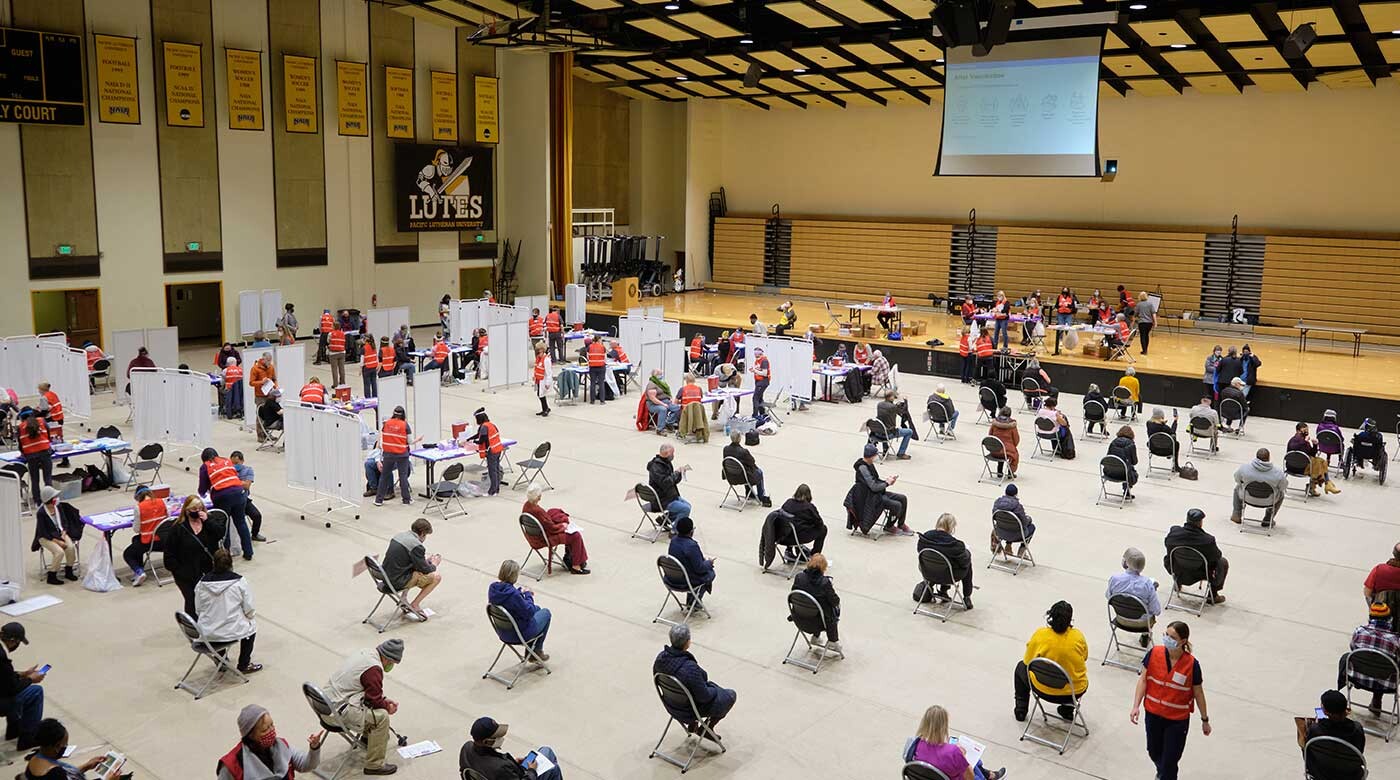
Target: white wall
[
  {"x": 657, "y": 162},
  {"x": 523, "y": 163}
]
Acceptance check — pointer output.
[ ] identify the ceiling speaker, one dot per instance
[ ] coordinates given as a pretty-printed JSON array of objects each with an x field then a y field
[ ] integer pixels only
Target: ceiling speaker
[
  {"x": 957, "y": 21},
  {"x": 999, "y": 23},
  {"x": 1300, "y": 40},
  {"x": 752, "y": 75}
]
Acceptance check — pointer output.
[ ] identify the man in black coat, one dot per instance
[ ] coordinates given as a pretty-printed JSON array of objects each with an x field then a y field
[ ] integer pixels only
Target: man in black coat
[
  {"x": 942, "y": 540},
  {"x": 1190, "y": 534},
  {"x": 735, "y": 449},
  {"x": 21, "y": 695},
  {"x": 1124, "y": 448},
  {"x": 664, "y": 477},
  {"x": 481, "y": 755},
  {"x": 870, "y": 496},
  {"x": 675, "y": 660},
  {"x": 1231, "y": 366}
]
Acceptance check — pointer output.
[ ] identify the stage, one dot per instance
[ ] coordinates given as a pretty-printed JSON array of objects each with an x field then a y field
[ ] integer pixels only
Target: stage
[{"x": 1292, "y": 384}]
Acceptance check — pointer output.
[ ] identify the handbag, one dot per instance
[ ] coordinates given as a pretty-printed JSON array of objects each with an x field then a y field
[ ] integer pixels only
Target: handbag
[{"x": 1188, "y": 471}]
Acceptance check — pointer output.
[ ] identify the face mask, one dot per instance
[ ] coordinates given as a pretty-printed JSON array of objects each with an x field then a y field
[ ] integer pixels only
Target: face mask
[
  {"x": 267, "y": 739},
  {"x": 389, "y": 668},
  {"x": 1169, "y": 643}
]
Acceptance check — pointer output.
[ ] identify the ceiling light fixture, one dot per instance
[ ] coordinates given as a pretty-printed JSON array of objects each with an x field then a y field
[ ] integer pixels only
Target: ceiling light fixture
[
  {"x": 680, "y": 78},
  {"x": 746, "y": 41},
  {"x": 939, "y": 60},
  {"x": 1178, "y": 45},
  {"x": 799, "y": 70},
  {"x": 1138, "y": 7},
  {"x": 673, "y": 6}
]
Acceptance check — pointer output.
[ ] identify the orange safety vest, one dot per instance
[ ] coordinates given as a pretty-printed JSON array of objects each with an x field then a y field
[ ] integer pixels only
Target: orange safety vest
[
  {"x": 1169, "y": 691},
  {"x": 963, "y": 346},
  {"x": 553, "y": 322},
  {"x": 697, "y": 346},
  {"x": 861, "y": 354},
  {"x": 761, "y": 372},
  {"x": 1105, "y": 315},
  {"x": 1064, "y": 303},
  {"x": 597, "y": 355},
  {"x": 222, "y": 474},
  {"x": 313, "y": 394},
  {"x": 1123, "y": 331},
  {"x": 55, "y": 413},
  {"x": 622, "y": 356},
  {"x": 371, "y": 358},
  {"x": 481, "y": 343},
  {"x": 393, "y": 439},
  {"x": 440, "y": 351},
  {"x": 536, "y": 327},
  {"x": 999, "y": 309},
  {"x": 493, "y": 440},
  {"x": 691, "y": 394},
  {"x": 33, "y": 445},
  {"x": 386, "y": 358},
  {"x": 153, "y": 513},
  {"x": 233, "y": 375},
  {"x": 539, "y": 367},
  {"x": 327, "y": 323},
  {"x": 336, "y": 343},
  {"x": 984, "y": 347}
]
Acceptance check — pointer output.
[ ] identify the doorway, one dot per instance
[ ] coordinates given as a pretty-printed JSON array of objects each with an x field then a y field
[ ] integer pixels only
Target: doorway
[
  {"x": 472, "y": 282},
  {"x": 197, "y": 310},
  {"x": 77, "y": 313}
]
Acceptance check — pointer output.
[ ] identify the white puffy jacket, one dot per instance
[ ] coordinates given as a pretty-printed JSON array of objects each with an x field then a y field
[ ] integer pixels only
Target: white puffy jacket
[{"x": 225, "y": 605}]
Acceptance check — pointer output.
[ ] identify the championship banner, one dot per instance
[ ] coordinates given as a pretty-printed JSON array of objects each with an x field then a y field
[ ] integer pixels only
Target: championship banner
[
  {"x": 444, "y": 105},
  {"x": 440, "y": 187},
  {"x": 352, "y": 97},
  {"x": 487, "y": 131},
  {"x": 245, "y": 89},
  {"x": 118, "y": 100},
  {"x": 184, "y": 84},
  {"x": 299, "y": 93},
  {"x": 398, "y": 102}
]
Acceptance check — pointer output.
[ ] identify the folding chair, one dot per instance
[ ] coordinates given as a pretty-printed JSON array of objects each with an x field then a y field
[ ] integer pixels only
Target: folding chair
[
  {"x": 918, "y": 770},
  {"x": 658, "y": 518},
  {"x": 148, "y": 560},
  {"x": 799, "y": 559},
  {"x": 1188, "y": 559},
  {"x": 446, "y": 493},
  {"x": 675, "y": 697},
  {"x": 1095, "y": 413},
  {"x": 1113, "y": 471},
  {"x": 1328, "y": 757},
  {"x": 1126, "y": 612},
  {"x": 532, "y": 467},
  {"x": 1202, "y": 428},
  {"x": 938, "y": 430},
  {"x": 1161, "y": 446},
  {"x": 1259, "y": 495},
  {"x": 1120, "y": 351},
  {"x": 44, "y": 558},
  {"x": 330, "y": 720},
  {"x": 217, "y": 652},
  {"x": 271, "y": 437},
  {"x": 538, "y": 540},
  {"x": 986, "y": 405},
  {"x": 386, "y": 591},
  {"x": 1296, "y": 464},
  {"x": 1381, "y": 666},
  {"x": 1009, "y": 524},
  {"x": 675, "y": 579},
  {"x": 878, "y": 433},
  {"x": 527, "y": 660},
  {"x": 1332, "y": 438},
  {"x": 806, "y": 614},
  {"x": 1123, "y": 403},
  {"x": 994, "y": 454},
  {"x": 1031, "y": 395},
  {"x": 1052, "y": 675},
  {"x": 1232, "y": 410},
  {"x": 101, "y": 369},
  {"x": 148, "y": 459},
  {"x": 735, "y": 477},
  {"x": 1047, "y": 439},
  {"x": 937, "y": 572}
]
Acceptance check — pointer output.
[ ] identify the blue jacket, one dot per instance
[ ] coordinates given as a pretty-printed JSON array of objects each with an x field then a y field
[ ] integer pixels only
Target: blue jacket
[
  {"x": 687, "y": 551},
  {"x": 518, "y": 603},
  {"x": 681, "y": 665}
]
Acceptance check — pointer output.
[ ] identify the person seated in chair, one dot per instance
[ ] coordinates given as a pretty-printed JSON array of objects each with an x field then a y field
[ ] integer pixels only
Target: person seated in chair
[
  {"x": 1061, "y": 642},
  {"x": 1131, "y": 582},
  {"x": 1368, "y": 446},
  {"x": 408, "y": 566},
  {"x": 813, "y": 580},
  {"x": 806, "y": 520},
  {"x": 556, "y": 523},
  {"x": 1318, "y": 475},
  {"x": 482, "y": 755},
  {"x": 1235, "y": 391},
  {"x": 1261, "y": 469},
  {"x": 21, "y": 695},
  {"x": 932, "y": 746},
  {"x": 1045, "y": 386},
  {"x": 1125, "y": 448},
  {"x": 46, "y": 763},
  {"x": 1383, "y": 577},
  {"x": 1191, "y": 534},
  {"x": 224, "y": 602},
  {"x": 58, "y": 527},
  {"x": 1334, "y": 723},
  {"x": 998, "y": 389},
  {"x": 700, "y": 569},
  {"x": 890, "y": 411},
  {"x": 1203, "y": 409},
  {"x": 1050, "y": 411},
  {"x": 941, "y": 539},
  {"x": 1096, "y": 395},
  {"x": 664, "y": 478},
  {"x": 659, "y": 404},
  {"x": 870, "y": 497},
  {"x": 1003, "y": 428},
  {"x": 150, "y": 513},
  {"x": 712, "y": 701},
  {"x": 531, "y": 619},
  {"x": 1158, "y": 424},
  {"x": 1009, "y": 501},
  {"x": 1130, "y": 381},
  {"x": 735, "y": 449},
  {"x": 261, "y": 753},
  {"x": 270, "y": 411},
  {"x": 356, "y": 691},
  {"x": 1377, "y": 633},
  {"x": 1327, "y": 448},
  {"x": 1118, "y": 337},
  {"x": 942, "y": 398}
]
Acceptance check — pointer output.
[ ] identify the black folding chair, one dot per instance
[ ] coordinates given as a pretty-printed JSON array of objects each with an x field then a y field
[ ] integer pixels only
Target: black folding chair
[
  {"x": 216, "y": 652},
  {"x": 800, "y": 555},
  {"x": 735, "y": 478},
  {"x": 1231, "y": 410},
  {"x": 538, "y": 539},
  {"x": 1047, "y": 438},
  {"x": 1126, "y": 613},
  {"x": 532, "y": 467},
  {"x": 986, "y": 404},
  {"x": 445, "y": 493},
  {"x": 1113, "y": 470},
  {"x": 1203, "y": 428},
  {"x": 1095, "y": 413},
  {"x": 396, "y": 598},
  {"x": 1186, "y": 562},
  {"x": 330, "y": 720},
  {"x": 1296, "y": 464},
  {"x": 995, "y": 466},
  {"x": 1004, "y": 524},
  {"x": 938, "y": 430},
  {"x": 878, "y": 433},
  {"x": 675, "y": 697},
  {"x": 675, "y": 579},
  {"x": 1383, "y": 668},
  {"x": 918, "y": 770},
  {"x": 658, "y": 518},
  {"x": 1051, "y": 675},
  {"x": 1031, "y": 394},
  {"x": 1325, "y": 758},
  {"x": 1123, "y": 402},
  {"x": 149, "y": 459},
  {"x": 806, "y": 614},
  {"x": 510, "y": 635},
  {"x": 1161, "y": 445},
  {"x": 937, "y": 572},
  {"x": 1259, "y": 495}
]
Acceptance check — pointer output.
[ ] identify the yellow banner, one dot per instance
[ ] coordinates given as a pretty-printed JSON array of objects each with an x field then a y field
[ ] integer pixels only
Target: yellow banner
[
  {"x": 245, "y": 89},
  {"x": 352, "y": 97},
  {"x": 117, "y": 98},
  {"x": 398, "y": 101},
  {"x": 487, "y": 129},
  {"x": 444, "y": 103},
  {"x": 299, "y": 93},
  {"x": 184, "y": 84}
]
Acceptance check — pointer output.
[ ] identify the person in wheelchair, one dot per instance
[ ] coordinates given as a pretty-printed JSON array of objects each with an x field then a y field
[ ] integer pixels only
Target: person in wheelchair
[{"x": 1367, "y": 446}]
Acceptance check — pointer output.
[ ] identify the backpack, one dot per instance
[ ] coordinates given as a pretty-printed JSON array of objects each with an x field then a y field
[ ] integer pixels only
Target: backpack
[
  {"x": 751, "y": 439},
  {"x": 95, "y": 479},
  {"x": 923, "y": 593}
]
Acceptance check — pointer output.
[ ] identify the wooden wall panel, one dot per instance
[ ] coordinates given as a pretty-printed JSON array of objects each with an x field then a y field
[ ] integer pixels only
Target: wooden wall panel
[
  {"x": 864, "y": 259},
  {"x": 738, "y": 255},
  {"x": 1334, "y": 281},
  {"x": 1030, "y": 258}
]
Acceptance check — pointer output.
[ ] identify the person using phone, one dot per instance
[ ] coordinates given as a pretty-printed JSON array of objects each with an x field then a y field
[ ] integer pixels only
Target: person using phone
[
  {"x": 47, "y": 762},
  {"x": 21, "y": 695},
  {"x": 262, "y": 753},
  {"x": 482, "y": 755}
]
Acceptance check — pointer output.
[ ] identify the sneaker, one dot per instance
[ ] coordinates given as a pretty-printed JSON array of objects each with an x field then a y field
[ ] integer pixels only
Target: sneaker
[
  {"x": 996, "y": 774},
  {"x": 904, "y": 457},
  {"x": 765, "y": 501},
  {"x": 833, "y": 647},
  {"x": 371, "y": 493},
  {"x": 377, "y": 502},
  {"x": 1145, "y": 640},
  {"x": 259, "y": 538},
  {"x": 903, "y": 530},
  {"x": 138, "y": 579}
]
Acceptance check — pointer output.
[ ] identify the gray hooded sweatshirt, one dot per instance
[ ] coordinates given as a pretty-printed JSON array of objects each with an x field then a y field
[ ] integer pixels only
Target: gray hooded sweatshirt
[{"x": 1261, "y": 471}]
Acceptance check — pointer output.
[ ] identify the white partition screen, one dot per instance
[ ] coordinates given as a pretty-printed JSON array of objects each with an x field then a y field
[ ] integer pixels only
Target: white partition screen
[
  {"x": 427, "y": 405},
  {"x": 575, "y": 303},
  {"x": 377, "y": 320},
  {"x": 65, "y": 369},
  {"x": 20, "y": 364},
  {"x": 164, "y": 345},
  {"x": 530, "y": 302},
  {"x": 323, "y": 451},
  {"x": 673, "y": 362},
  {"x": 507, "y": 360},
  {"x": 125, "y": 343},
  {"x": 249, "y": 312},
  {"x": 393, "y": 391},
  {"x": 291, "y": 369},
  {"x": 171, "y": 406},
  {"x": 250, "y": 409},
  {"x": 789, "y": 360},
  {"x": 629, "y": 332},
  {"x": 386, "y": 321},
  {"x": 12, "y": 544}
]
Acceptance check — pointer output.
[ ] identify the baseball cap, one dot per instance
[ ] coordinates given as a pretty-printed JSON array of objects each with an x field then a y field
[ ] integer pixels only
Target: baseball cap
[
  {"x": 14, "y": 632},
  {"x": 488, "y": 731},
  {"x": 870, "y": 450}
]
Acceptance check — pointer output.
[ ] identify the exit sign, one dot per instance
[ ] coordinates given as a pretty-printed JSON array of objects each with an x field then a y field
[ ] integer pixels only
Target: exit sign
[
  {"x": 192, "y": 246},
  {"x": 64, "y": 250}
]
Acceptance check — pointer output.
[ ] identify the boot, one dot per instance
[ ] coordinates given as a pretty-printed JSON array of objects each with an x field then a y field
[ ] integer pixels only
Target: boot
[
  {"x": 1331, "y": 488},
  {"x": 53, "y": 579},
  {"x": 69, "y": 575}
]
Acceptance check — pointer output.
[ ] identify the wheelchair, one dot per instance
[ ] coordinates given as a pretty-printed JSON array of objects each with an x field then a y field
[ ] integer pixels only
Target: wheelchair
[{"x": 1361, "y": 453}]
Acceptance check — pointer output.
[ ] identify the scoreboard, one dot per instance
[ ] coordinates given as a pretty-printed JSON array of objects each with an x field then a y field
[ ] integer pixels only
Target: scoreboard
[{"x": 41, "y": 78}]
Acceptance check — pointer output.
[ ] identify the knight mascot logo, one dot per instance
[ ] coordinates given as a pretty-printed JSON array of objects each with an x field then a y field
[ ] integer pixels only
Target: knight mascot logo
[
  {"x": 443, "y": 187},
  {"x": 446, "y": 191}
]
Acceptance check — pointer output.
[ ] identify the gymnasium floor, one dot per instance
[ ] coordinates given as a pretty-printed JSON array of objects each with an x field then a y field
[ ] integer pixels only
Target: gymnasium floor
[
  {"x": 1267, "y": 653},
  {"x": 1325, "y": 366}
]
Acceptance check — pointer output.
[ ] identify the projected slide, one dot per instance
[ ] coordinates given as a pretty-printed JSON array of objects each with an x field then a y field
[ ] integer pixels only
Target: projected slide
[{"x": 1026, "y": 109}]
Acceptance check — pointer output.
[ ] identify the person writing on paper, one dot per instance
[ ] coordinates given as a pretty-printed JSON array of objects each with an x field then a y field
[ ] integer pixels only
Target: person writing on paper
[
  {"x": 1170, "y": 688},
  {"x": 57, "y": 525},
  {"x": 225, "y": 604},
  {"x": 395, "y": 443},
  {"x": 556, "y": 526},
  {"x": 408, "y": 566},
  {"x": 931, "y": 745},
  {"x": 47, "y": 762},
  {"x": 356, "y": 691},
  {"x": 260, "y": 753},
  {"x": 481, "y": 755},
  {"x": 150, "y": 512}
]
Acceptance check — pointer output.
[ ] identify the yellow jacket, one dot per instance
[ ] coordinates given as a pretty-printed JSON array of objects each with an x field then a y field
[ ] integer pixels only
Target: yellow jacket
[
  {"x": 1134, "y": 387},
  {"x": 1069, "y": 650}
]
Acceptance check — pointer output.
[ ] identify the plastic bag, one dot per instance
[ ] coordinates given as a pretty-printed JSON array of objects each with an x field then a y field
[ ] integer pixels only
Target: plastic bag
[{"x": 99, "y": 575}]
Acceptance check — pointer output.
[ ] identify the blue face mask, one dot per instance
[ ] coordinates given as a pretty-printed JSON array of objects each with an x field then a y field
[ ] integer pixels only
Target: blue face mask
[{"x": 1169, "y": 642}]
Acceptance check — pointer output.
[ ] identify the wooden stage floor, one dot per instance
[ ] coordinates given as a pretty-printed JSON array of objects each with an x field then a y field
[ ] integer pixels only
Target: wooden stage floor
[{"x": 1324, "y": 367}]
